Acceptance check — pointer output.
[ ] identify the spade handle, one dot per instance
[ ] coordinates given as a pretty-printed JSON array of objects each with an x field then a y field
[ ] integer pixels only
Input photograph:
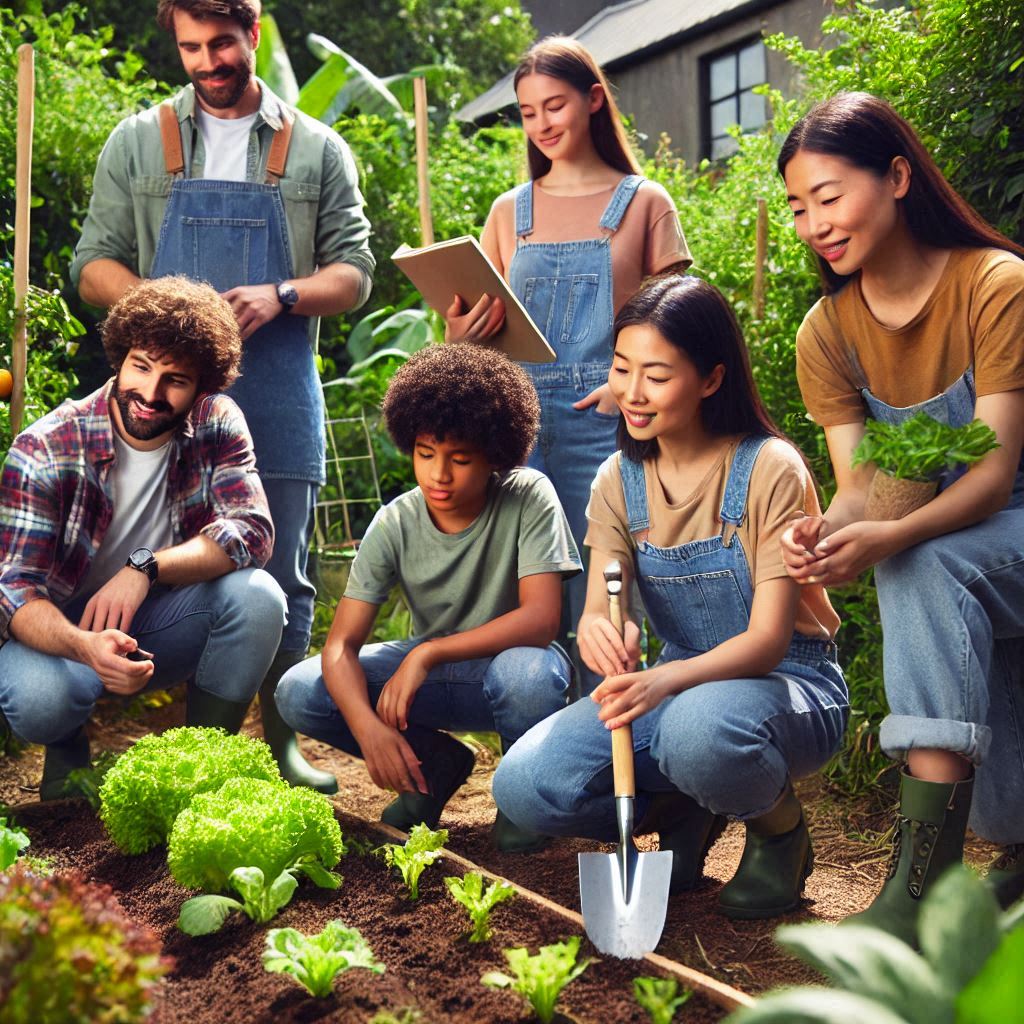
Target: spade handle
[{"x": 622, "y": 738}]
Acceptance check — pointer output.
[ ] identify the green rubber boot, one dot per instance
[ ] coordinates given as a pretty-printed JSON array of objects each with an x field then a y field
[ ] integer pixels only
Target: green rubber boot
[
  {"x": 1006, "y": 875},
  {"x": 207, "y": 709},
  {"x": 929, "y": 838},
  {"x": 281, "y": 736},
  {"x": 685, "y": 828},
  {"x": 777, "y": 858},
  {"x": 446, "y": 764},
  {"x": 60, "y": 761},
  {"x": 507, "y": 836}
]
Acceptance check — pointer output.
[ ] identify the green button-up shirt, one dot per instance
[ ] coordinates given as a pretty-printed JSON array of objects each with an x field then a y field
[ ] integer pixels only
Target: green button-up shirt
[{"x": 322, "y": 202}]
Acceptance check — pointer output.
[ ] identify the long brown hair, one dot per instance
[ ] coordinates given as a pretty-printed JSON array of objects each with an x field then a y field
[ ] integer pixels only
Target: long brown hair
[
  {"x": 569, "y": 61},
  {"x": 868, "y": 133}
]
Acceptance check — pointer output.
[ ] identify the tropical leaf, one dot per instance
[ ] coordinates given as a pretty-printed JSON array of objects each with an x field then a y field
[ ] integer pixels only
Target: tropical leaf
[{"x": 272, "y": 62}]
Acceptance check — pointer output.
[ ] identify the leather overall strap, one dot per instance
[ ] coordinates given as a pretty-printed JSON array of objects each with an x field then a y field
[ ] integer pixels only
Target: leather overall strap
[{"x": 277, "y": 159}]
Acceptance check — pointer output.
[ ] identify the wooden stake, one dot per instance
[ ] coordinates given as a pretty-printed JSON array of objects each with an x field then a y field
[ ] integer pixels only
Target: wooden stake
[
  {"x": 419, "y": 89},
  {"x": 759, "y": 258},
  {"x": 22, "y": 201}
]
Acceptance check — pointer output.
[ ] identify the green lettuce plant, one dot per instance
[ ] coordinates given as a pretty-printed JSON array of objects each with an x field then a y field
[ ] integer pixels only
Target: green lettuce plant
[
  {"x": 12, "y": 842},
  {"x": 920, "y": 448},
  {"x": 314, "y": 961},
  {"x": 255, "y": 837},
  {"x": 969, "y": 970},
  {"x": 660, "y": 997},
  {"x": 421, "y": 849},
  {"x": 540, "y": 978},
  {"x": 154, "y": 780},
  {"x": 478, "y": 901}
]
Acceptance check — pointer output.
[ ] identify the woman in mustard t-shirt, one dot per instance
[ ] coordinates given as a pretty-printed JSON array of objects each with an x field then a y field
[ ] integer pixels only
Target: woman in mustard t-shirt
[{"x": 923, "y": 311}]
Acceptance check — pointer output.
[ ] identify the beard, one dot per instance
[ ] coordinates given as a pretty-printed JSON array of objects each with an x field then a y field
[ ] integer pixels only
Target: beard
[
  {"x": 223, "y": 97},
  {"x": 145, "y": 430}
]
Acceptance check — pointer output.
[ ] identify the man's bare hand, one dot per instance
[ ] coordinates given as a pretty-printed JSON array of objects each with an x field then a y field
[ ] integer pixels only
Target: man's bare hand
[
  {"x": 106, "y": 653},
  {"x": 253, "y": 305},
  {"x": 391, "y": 762},
  {"x": 114, "y": 605}
]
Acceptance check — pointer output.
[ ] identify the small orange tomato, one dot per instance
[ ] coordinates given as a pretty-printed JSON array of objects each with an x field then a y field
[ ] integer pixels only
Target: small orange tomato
[{"x": 6, "y": 385}]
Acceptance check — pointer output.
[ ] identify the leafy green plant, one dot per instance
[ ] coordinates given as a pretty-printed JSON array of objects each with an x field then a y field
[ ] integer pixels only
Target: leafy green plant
[
  {"x": 420, "y": 850},
  {"x": 409, "y": 1015},
  {"x": 660, "y": 997},
  {"x": 540, "y": 978},
  {"x": 920, "y": 448},
  {"x": 12, "y": 842},
  {"x": 968, "y": 971},
  {"x": 154, "y": 780},
  {"x": 87, "y": 781},
  {"x": 255, "y": 837},
  {"x": 69, "y": 955},
  {"x": 478, "y": 901},
  {"x": 314, "y": 961}
]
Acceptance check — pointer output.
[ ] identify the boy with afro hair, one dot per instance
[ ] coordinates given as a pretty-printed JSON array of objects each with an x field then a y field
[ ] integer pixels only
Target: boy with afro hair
[{"x": 480, "y": 548}]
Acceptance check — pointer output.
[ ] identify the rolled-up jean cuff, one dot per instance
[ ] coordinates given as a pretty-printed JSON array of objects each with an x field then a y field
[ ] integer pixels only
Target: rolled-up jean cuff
[{"x": 900, "y": 734}]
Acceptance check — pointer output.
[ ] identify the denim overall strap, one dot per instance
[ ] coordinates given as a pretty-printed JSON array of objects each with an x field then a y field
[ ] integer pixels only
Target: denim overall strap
[
  {"x": 634, "y": 489},
  {"x": 734, "y": 502},
  {"x": 524, "y": 210},
  {"x": 619, "y": 202}
]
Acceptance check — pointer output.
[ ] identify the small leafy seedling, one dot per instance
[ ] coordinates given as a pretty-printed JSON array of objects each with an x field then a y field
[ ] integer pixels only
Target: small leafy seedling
[
  {"x": 541, "y": 978},
  {"x": 409, "y": 1015},
  {"x": 660, "y": 997},
  {"x": 478, "y": 901},
  {"x": 421, "y": 849},
  {"x": 12, "y": 842},
  {"x": 314, "y": 961},
  {"x": 920, "y": 448}
]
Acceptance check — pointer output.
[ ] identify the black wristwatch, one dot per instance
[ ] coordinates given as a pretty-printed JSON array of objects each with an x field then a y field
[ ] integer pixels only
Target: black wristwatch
[
  {"x": 287, "y": 295},
  {"x": 145, "y": 561}
]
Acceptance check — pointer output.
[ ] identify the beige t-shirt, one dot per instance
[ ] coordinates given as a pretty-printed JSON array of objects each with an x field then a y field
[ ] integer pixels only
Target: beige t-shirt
[
  {"x": 780, "y": 486},
  {"x": 975, "y": 315},
  {"x": 649, "y": 239}
]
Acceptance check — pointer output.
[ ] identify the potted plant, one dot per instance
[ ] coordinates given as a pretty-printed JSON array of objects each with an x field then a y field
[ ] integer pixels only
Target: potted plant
[{"x": 909, "y": 458}]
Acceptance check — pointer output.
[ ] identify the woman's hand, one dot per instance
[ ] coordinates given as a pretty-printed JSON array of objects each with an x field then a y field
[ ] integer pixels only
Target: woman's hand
[
  {"x": 623, "y": 698},
  {"x": 798, "y": 544},
  {"x": 400, "y": 690},
  {"x": 844, "y": 555},
  {"x": 602, "y": 396},
  {"x": 483, "y": 319},
  {"x": 602, "y": 649}
]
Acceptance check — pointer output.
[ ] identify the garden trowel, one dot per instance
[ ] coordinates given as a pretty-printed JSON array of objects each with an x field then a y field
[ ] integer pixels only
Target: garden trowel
[{"x": 624, "y": 895}]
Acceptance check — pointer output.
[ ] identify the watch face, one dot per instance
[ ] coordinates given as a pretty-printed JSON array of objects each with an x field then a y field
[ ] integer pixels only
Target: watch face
[
  {"x": 287, "y": 294},
  {"x": 140, "y": 556}
]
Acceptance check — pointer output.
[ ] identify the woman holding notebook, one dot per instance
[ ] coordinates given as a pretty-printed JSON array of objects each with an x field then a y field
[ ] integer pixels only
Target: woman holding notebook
[{"x": 574, "y": 243}]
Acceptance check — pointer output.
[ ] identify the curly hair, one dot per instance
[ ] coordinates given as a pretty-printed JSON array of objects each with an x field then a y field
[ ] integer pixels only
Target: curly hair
[
  {"x": 245, "y": 12},
  {"x": 175, "y": 318},
  {"x": 465, "y": 392}
]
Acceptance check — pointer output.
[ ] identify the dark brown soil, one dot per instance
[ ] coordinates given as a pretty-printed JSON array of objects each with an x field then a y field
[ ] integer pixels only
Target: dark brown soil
[{"x": 430, "y": 966}]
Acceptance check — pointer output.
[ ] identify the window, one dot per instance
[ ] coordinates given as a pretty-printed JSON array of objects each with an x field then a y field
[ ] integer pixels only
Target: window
[{"x": 729, "y": 81}]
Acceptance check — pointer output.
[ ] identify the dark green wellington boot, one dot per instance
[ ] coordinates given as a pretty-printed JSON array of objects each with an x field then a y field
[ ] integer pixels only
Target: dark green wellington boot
[
  {"x": 1006, "y": 875},
  {"x": 207, "y": 709},
  {"x": 60, "y": 761},
  {"x": 507, "y": 836},
  {"x": 446, "y": 764},
  {"x": 777, "y": 858},
  {"x": 281, "y": 736},
  {"x": 685, "y": 828},
  {"x": 929, "y": 838}
]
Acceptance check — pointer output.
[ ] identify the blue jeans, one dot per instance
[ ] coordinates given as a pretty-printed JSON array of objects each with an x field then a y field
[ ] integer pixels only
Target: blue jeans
[
  {"x": 506, "y": 694},
  {"x": 222, "y": 634},
  {"x": 952, "y": 614},
  {"x": 731, "y": 745}
]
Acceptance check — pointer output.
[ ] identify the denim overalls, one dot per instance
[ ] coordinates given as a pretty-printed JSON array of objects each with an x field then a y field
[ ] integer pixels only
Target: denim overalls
[
  {"x": 233, "y": 233},
  {"x": 958, "y": 599},
  {"x": 567, "y": 289},
  {"x": 733, "y": 744}
]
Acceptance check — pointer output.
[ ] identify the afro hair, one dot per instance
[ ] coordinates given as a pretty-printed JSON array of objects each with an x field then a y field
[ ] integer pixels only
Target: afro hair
[{"x": 465, "y": 392}]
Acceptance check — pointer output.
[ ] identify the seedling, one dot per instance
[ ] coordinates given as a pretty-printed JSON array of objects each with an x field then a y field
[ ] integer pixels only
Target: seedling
[
  {"x": 12, "y": 842},
  {"x": 541, "y": 978},
  {"x": 314, "y": 961},
  {"x": 660, "y": 997},
  {"x": 422, "y": 848},
  {"x": 478, "y": 901},
  {"x": 920, "y": 448}
]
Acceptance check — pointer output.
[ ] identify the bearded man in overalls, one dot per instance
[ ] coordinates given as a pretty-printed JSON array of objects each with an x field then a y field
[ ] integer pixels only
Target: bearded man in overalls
[{"x": 226, "y": 184}]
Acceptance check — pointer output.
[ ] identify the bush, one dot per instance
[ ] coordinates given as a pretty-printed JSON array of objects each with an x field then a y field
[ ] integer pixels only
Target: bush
[{"x": 69, "y": 955}]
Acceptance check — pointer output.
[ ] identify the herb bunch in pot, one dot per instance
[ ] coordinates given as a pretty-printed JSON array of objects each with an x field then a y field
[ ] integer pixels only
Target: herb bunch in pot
[{"x": 910, "y": 457}]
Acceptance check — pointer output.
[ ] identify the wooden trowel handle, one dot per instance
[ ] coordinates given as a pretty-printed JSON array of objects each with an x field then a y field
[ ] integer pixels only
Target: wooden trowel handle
[{"x": 622, "y": 738}]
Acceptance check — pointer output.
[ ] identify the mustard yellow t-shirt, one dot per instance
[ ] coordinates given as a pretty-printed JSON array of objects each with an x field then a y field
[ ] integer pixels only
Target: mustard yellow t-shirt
[
  {"x": 780, "y": 486},
  {"x": 974, "y": 316}
]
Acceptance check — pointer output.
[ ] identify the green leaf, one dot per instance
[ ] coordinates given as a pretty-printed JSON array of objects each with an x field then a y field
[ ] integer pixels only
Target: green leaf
[
  {"x": 249, "y": 882},
  {"x": 816, "y": 1006},
  {"x": 324, "y": 96},
  {"x": 385, "y": 353},
  {"x": 272, "y": 62},
  {"x": 318, "y": 874},
  {"x": 997, "y": 991},
  {"x": 280, "y": 894},
  {"x": 203, "y": 915},
  {"x": 12, "y": 842}
]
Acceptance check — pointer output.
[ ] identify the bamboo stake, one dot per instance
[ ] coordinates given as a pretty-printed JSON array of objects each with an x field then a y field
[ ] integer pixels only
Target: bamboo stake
[
  {"x": 419, "y": 89},
  {"x": 22, "y": 201},
  {"x": 759, "y": 258}
]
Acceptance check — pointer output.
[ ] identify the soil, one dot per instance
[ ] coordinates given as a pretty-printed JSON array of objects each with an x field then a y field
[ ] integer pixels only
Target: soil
[{"x": 431, "y": 967}]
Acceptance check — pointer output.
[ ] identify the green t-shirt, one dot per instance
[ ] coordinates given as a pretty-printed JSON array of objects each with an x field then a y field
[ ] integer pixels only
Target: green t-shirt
[{"x": 457, "y": 581}]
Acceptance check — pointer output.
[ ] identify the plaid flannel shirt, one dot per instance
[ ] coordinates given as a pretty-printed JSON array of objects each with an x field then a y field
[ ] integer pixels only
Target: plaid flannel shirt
[{"x": 55, "y": 502}]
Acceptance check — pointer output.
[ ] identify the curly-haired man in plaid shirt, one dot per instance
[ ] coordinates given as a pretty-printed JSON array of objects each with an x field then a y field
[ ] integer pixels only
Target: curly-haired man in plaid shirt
[{"x": 133, "y": 528}]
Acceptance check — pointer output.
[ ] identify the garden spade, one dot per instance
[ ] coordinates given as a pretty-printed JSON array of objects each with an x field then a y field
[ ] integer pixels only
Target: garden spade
[{"x": 624, "y": 895}]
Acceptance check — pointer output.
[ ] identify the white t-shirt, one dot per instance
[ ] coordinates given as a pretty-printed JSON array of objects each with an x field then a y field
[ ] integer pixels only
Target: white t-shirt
[
  {"x": 226, "y": 141},
  {"x": 141, "y": 516}
]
